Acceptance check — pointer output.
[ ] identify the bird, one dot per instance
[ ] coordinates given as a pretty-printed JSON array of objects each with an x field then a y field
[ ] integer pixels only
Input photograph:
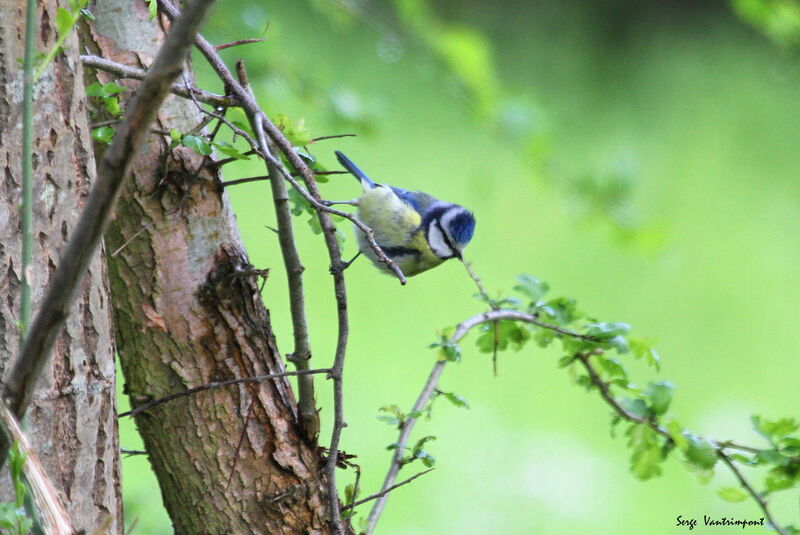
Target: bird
[{"x": 416, "y": 230}]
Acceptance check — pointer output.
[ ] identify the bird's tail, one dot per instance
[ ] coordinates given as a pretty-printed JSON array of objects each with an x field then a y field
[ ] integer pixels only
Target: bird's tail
[{"x": 354, "y": 170}]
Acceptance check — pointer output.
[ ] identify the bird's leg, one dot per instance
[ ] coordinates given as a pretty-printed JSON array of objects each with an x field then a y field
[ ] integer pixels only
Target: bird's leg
[
  {"x": 344, "y": 265},
  {"x": 351, "y": 202}
]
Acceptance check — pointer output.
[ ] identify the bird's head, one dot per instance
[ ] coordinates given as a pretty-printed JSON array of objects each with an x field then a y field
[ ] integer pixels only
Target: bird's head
[{"x": 450, "y": 230}]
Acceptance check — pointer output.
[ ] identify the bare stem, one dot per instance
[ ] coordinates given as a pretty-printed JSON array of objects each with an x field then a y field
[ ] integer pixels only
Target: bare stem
[
  {"x": 386, "y": 491},
  {"x": 428, "y": 389},
  {"x": 124, "y": 71},
  {"x": 213, "y": 386}
]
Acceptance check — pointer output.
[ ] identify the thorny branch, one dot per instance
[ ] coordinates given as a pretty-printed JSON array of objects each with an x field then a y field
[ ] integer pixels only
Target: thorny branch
[
  {"x": 462, "y": 329},
  {"x": 112, "y": 170}
]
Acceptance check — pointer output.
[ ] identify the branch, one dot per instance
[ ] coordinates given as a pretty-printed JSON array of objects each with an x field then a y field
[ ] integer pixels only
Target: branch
[
  {"x": 430, "y": 388},
  {"x": 719, "y": 447},
  {"x": 124, "y": 71},
  {"x": 48, "y": 504},
  {"x": 294, "y": 273},
  {"x": 213, "y": 386},
  {"x": 238, "y": 43},
  {"x": 462, "y": 329},
  {"x": 385, "y": 491},
  {"x": 259, "y": 178},
  {"x": 113, "y": 168},
  {"x": 261, "y": 122},
  {"x": 753, "y": 494}
]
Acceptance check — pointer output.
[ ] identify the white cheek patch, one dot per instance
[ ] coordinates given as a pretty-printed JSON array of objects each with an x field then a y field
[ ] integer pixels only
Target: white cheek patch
[{"x": 437, "y": 242}]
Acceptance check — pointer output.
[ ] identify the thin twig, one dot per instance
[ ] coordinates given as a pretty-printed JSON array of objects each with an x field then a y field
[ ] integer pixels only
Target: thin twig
[
  {"x": 213, "y": 386},
  {"x": 260, "y": 178},
  {"x": 21, "y": 382},
  {"x": 124, "y": 71},
  {"x": 753, "y": 494},
  {"x": 132, "y": 453},
  {"x": 238, "y": 43},
  {"x": 719, "y": 448},
  {"x": 48, "y": 504},
  {"x": 129, "y": 240},
  {"x": 334, "y": 136},
  {"x": 429, "y": 389},
  {"x": 294, "y": 274},
  {"x": 225, "y": 161},
  {"x": 386, "y": 491}
]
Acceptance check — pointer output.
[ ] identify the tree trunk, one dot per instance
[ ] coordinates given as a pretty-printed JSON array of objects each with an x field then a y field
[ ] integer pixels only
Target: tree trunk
[
  {"x": 188, "y": 312},
  {"x": 72, "y": 420}
]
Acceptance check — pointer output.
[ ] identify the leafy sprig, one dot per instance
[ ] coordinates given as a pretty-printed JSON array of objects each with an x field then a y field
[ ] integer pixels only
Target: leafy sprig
[{"x": 597, "y": 353}]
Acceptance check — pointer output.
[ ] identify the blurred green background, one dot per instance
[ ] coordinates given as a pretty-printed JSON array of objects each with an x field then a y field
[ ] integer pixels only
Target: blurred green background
[{"x": 641, "y": 157}]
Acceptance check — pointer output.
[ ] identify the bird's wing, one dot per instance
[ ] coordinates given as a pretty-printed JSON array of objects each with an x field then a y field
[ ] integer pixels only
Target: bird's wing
[{"x": 415, "y": 199}]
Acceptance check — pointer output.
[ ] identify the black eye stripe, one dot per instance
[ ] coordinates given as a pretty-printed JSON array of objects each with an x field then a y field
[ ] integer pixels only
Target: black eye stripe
[{"x": 444, "y": 236}]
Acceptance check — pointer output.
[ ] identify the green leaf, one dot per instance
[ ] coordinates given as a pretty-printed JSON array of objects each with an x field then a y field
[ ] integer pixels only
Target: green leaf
[
  {"x": 64, "y": 21},
  {"x": 645, "y": 463},
  {"x": 700, "y": 452},
  {"x": 612, "y": 367},
  {"x": 532, "y": 287},
  {"x": 298, "y": 203},
  {"x": 774, "y": 430},
  {"x": 198, "y": 144},
  {"x": 349, "y": 493},
  {"x": 103, "y": 134},
  {"x": 647, "y": 454},
  {"x": 659, "y": 396},
  {"x": 387, "y": 419},
  {"x": 296, "y": 132},
  {"x": 105, "y": 90},
  {"x": 175, "y": 138},
  {"x": 544, "y": 337},
  {"x": 566, "y": 360},
  {"x": 676, "y": 434},
  {"x": 450, "y": 352},
  {"x": 771, "y": 457},
  {"x": 636, "y": 406},
  {"x": 606, "y": 331},
  {"x": 642, "y": 348},
  {"x": 561, "y": 310},
  {"x": 731, "y": 494},
  {"x": 313, "y": 223},
  {"x": 620, "y": 343},
  {"x": 152, "y": 8},
  {"x": 456, "y": 400},
  {"x": 778, "y": 479},
  {"x": 584, "y": 381},
  {"x": 228, "y": 150},
  {"x": 112, "y": 106}
]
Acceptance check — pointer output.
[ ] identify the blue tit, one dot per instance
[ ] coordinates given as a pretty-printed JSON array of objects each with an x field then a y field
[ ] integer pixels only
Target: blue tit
[{"x": 412, "y": 228}]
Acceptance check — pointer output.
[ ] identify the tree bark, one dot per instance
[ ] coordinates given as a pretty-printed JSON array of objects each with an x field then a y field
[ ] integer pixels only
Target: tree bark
[
  {"x": 72, "y": 421},
  {"x": 188, "y": 312}
]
